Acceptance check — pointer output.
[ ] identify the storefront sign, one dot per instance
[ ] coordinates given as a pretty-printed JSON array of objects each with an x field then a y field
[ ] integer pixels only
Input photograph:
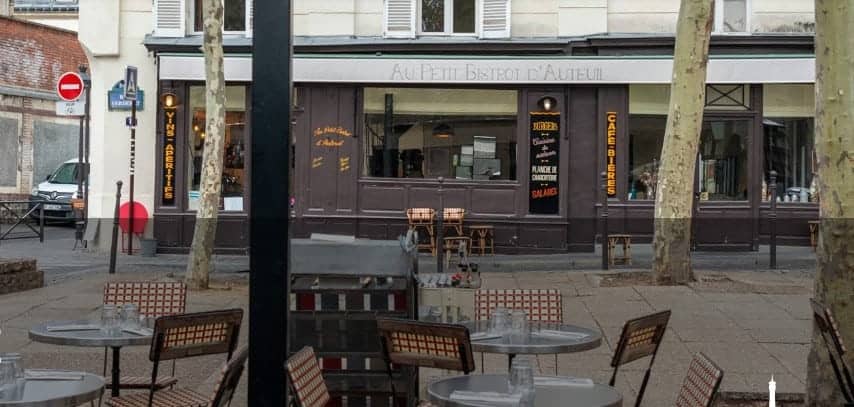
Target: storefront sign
[
  {"x": 545, "y": 156},
  {"x": 327, "y": 136},
  {"x": 116, "y": 98},
  {"x": 169, "y": 157},
  {"x": 611, "y": 154}
]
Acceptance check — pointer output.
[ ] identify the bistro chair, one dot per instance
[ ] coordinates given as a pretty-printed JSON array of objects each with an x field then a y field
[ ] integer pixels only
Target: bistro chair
[
  {"x": 423, "y": 218},
  {"x": 829, "y": 330},
  {"x": 154, "y": 299},
  {"x": 424, "y": 344},
  {"x": 185, "y": 336},
  {"x": 306, "y": 379},
  {"x": 452, "y": 218},
  {"x": 540, "y": 305},
  {"x": 701, "y": 383},
  {"x": 229, "y": 377},
  {"x": 640, "y": 338}
]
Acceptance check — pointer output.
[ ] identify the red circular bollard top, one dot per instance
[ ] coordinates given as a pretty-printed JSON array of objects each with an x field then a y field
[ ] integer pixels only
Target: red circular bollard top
[
  {"x": 70, "y": 86},
  {"x": 140, "y": 217}
]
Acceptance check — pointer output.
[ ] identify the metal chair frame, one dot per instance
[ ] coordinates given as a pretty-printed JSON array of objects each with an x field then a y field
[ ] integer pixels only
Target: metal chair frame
[
  {"x": 709, "y": 382},
  {"x": 308, "y": 353},
  {"x": 640, "y": 337},
  {"x": 836, "y": 350}
]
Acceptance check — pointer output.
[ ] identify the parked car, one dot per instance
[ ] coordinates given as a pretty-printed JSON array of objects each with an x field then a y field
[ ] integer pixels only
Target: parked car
[{"x": 56, "y": 192}]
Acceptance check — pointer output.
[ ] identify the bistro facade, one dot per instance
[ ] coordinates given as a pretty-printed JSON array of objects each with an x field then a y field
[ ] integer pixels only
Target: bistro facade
[{"x": 518, "y": 132}]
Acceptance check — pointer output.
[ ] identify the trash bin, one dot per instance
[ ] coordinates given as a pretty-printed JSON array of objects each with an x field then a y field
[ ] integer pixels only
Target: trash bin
[{"x": 148, "y": 247}]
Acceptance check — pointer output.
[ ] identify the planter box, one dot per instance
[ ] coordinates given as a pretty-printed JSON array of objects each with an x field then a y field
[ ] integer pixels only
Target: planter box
[{"x": 19, "y": 275}]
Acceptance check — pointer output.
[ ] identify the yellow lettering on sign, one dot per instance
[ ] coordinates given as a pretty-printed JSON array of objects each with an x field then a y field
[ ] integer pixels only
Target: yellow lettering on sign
[
  {"x": 545, "y": 126},
  {"x": 611, "y": 154}
]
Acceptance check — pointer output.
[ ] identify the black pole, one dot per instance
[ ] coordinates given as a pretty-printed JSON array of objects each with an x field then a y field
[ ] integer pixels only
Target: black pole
[
  {"x": 269, "y": 248},
  {"x": 115, "y": 240},
  {"x": 78, "y": 213},
  {"x": 87, "y": 82},
  {"x": 440, "y": 231},
  {"x": 388, "y": 135},
  {"x": 772, "y": 221},
  {"x": 604, "y": 215},
  {"x": 132, "y": 170}
]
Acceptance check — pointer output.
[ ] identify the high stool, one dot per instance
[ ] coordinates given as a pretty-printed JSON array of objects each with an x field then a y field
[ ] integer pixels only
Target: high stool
[
  {"x": 483, "y": 236},
  {"x": 422, "y": 218},
  {"x": 452, "y": 244},
  {"x": 452, "y": 218},
  {"x": 626, "y": 242}
]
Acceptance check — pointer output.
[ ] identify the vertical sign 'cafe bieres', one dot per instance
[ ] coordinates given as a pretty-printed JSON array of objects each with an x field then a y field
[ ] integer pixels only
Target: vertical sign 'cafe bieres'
[
  {"x": 611, "y": 158},
  {"x": 545, "y": 148}
]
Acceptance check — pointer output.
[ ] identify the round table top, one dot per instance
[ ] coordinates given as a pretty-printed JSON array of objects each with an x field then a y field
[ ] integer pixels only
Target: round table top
[
  {"x": 536, "y": 344},
  {"x": 87, "y": 338},
  {"x": 599, "y": 395},
  {"x": 54, "y": 393}
]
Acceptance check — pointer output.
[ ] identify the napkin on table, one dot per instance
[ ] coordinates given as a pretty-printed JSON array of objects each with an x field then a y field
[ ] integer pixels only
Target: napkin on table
[
  {"x": 72, "y": 327},
  {"x": 483, "y": 335},
  {"x": 52, "y": 375},
  {"x": 490, "y": 397},
  {"x": 562, "y": 334},
  {"x": 139, "y": 331},
  {"x": 550, "y": 381}
]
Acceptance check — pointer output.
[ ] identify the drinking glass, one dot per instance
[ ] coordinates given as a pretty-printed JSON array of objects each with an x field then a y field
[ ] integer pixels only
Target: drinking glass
[
  {"x": 519, "y": 329},
  {"x": 130, "y": 317},
  {"x": 522, "y": 379},
  {"x": 110, "y": 322},
  {"x": 499, "y": 321},
  {"x": 11, "y": 376}
]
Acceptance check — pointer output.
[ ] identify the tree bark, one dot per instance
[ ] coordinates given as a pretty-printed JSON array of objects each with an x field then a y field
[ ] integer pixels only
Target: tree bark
[
  {"x": 199, "y": 266},
  {"x": 834, "y": 144},
  {"x": 674, "y": 200}
]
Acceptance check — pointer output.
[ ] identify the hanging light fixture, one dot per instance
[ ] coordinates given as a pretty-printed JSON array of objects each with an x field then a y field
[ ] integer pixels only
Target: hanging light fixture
[
  {"x": 547, "y": 103},
  {"x": 443, "y": 131}
]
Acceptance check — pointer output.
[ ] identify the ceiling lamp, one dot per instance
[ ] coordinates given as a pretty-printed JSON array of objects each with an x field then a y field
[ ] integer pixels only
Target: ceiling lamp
[{"x": 443, "y": 131}]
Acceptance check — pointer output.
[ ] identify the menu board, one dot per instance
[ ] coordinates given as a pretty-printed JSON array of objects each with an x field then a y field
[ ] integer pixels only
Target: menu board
[{"x": 545, "y": 157}]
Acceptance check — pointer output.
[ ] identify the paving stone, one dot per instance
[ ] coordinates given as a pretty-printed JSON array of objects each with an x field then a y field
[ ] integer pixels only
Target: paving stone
[
  {"x": 753, "y": 310},
  {"x": 731, "y": 335},
  {"x": 758, "y": 382},
  {"x": 747, "y": 357},
  {"x": 792, "y": 356},
  {"x": 798, "y": 306}
]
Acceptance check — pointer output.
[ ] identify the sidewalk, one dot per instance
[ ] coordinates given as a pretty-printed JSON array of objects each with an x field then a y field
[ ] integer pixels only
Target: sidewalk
[{"x": 751, "y": 324}]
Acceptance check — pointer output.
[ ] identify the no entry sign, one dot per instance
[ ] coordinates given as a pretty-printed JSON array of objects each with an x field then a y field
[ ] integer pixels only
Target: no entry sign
[{"x": 69, "y": 87}]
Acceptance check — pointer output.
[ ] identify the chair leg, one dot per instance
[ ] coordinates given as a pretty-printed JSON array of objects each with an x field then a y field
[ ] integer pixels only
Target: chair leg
[
  {"x": 482, "y": 365},
  {"x": 556, "y": 374}
]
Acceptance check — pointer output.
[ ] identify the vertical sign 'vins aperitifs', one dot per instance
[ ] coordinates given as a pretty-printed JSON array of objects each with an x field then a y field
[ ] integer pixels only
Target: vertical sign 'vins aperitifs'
[
  {"x": 545, "y": 156},
  {"x": 169, "y": 157},
  {"x": 611, "y": 158}
]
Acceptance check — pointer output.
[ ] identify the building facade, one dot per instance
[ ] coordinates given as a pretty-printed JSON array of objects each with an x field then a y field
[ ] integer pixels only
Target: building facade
[{"x": 518, "y": 106}]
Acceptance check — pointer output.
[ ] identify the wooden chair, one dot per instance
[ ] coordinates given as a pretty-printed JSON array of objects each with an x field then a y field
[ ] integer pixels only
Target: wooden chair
[
  {"x": 829, "y": 330},
  {"x": 544, "y": 305},
  {"x": 306, "y": 379},
  {"x": 452, "y": 218},
  {"x": 640, "y": 338},
  {"x": 701, "y": 383},
  {"x": 484, "y": 236},
  {"x": 230, "y": 374},
  {"x": 423, "y": 218},
  {"x": 622, "y": 240},
  {"x": 184, "y": 336},
  {"x": 424, "y": 344},
  {"x": 154, "y": 299}
]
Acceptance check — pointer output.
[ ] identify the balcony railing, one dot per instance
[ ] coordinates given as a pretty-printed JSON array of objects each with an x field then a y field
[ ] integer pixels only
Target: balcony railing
[{"x": 46, "y": 5}]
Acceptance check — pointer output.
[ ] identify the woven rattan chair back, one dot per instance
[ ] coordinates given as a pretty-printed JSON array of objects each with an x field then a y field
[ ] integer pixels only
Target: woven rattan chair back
[
  {"x": 829, "y": 331},
  {"x": 230, "y": 374},
  {"x": 701, "y": 383},
  {"x": 307, "y": 379},
  {"x": 541, "y": 305},
  {"x": 197, "y": 334},
  {"x": 640, "y": 338},
  {"x": 420, "y": 216},
  {"x": 153, "y": 298},
  {"x": 413, "y": 343}
]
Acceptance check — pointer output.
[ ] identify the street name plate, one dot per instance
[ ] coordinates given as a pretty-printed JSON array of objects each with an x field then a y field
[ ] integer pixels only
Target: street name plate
[{"x": 76, "y": 108}]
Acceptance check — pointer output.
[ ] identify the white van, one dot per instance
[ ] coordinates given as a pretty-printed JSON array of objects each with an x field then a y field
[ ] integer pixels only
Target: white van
[{"x": 56, "y": 192}]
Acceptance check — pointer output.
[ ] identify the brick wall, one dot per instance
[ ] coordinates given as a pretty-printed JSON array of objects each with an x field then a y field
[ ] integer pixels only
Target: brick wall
[{"x": 32, "y": 56}]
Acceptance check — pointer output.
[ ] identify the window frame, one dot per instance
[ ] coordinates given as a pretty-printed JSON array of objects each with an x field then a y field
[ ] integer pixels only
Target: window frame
[
  {"x": 718, "y": 19},
  {"x": 449, "y": 20},
  {"x": 192, "y": 18}
]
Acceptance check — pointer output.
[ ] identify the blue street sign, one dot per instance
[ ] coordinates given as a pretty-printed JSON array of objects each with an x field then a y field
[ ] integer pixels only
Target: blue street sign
[{"x": 116, "y": 98}]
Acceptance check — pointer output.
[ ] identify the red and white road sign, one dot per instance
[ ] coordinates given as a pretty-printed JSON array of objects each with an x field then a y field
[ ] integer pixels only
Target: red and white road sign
[{"x": 69, "y": 87}]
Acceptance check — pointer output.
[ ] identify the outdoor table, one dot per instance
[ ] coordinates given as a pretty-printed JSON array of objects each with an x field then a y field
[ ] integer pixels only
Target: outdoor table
[
  {"x": 55, "y": 393},
  {"x": 535, "y": 344},
  {"x": 90, "y": 338},
  {"x": 599, "y": 395}
]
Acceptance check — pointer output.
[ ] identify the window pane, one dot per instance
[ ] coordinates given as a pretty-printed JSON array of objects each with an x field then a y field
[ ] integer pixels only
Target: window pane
[
  {"x": 789, "y": 151},
  {"x": 722, "y": 169},
  {"x": 433, "y": 16},
  {"x": 233, "y": 177},
  {"x": 646, "y": 135},
  {"x": 235, "y": 15},
  {"x": 198, "y": 17},
  {"x": 464, "y": 16},
  {"x": 459, "y": 133},
  {"x": 735, "y": 16}
]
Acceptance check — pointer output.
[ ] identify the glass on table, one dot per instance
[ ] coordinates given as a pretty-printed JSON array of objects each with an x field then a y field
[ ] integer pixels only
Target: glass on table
[
  {"x": 499, "y": 321},
  {"x": 130, "y": 317},
  {"x": 110, "y": 321},
  {"x": 521, "y": 379},
  {"x": 519, "y": 327},
  {"x": 11, "y": 376}
]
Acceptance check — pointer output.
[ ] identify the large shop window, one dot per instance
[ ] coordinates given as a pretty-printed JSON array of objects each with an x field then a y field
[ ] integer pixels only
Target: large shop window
[
  {"x": 646, "y": 135},
  {"x": 234, "y": 15},
  {"x": 427, "y": 133},
  {"x": 233, "y": 172},
  {"x": 447, "y": 16},
  {"x": 722, "y": 166},
  {"x": 789, "y": 135}
]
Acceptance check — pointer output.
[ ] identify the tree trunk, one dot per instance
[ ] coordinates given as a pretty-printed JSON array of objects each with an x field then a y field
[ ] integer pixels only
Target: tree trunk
[
  {"x": 834, "y": 144},
  {"x": 199, "y": 266},
  {"x": 674, "y": 200}
]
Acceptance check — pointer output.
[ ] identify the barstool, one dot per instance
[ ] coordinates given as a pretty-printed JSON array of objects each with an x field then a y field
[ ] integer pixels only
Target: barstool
[
  {"x": 452, "y": 218},
  {"x": 483, "y": 236},
  {"x": 626, "y": 242},
  {"x": 452, "y": 244},
  {"x": 423, "y": 218}
]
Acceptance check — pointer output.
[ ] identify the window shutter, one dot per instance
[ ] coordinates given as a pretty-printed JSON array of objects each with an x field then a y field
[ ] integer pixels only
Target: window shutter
[
  {"x": 399, "y": 18},
  {"x": 169, "y": 18},
  {"x": 495, "y": 19},
  {"x": 250, "y": 8}
]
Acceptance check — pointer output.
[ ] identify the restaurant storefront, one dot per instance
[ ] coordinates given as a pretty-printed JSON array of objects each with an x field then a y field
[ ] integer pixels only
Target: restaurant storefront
[{"x": 519, "y": 142}]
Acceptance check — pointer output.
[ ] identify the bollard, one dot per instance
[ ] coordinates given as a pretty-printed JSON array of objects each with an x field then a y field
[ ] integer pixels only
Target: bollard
[
  {"x": 41, "y": 222},
  {"x": 115, "y": 228},
  {"x": 440, "y": 231},
  {"x": 604, "y": 215},
  {"x": 772, "y": 221}
]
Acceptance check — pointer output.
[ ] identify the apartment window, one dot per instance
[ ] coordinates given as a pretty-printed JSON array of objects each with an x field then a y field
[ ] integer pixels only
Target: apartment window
[
  {"x": 447, "y": 16},
  {"x": 234, "y": 17},
  {"x": 45, "y": 5},
  {"x": 731, "y": 16}
]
